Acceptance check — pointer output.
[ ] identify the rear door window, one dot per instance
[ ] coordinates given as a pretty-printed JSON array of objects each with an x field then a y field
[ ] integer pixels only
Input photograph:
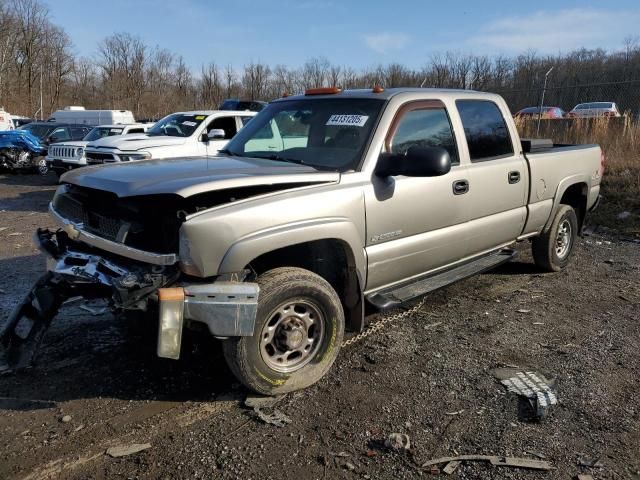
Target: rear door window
[{"x": 485, "y": 130}]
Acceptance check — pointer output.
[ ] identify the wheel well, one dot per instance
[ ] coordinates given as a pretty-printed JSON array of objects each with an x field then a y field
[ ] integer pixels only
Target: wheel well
[
  {"x": 333, "y": 260},
  {"x": 576, "y": 196}
]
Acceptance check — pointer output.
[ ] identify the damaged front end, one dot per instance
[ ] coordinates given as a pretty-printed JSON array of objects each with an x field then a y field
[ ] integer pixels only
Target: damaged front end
[
  {"x": 74, "y": 269},
  {"x": 226, "y": 305}
]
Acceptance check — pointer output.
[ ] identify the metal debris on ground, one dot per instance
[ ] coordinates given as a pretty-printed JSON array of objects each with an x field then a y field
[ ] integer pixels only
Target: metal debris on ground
[
  {"x": 495, "y": 460},
  {"x": 123, "y": 451},
  {"x": 532, "y": 386},
  {"x": 451, "y": 467},
  {"x": 398, "y": 441},
  {"x": 261, "y": 401},
  {"x": 276, "y": 417}
]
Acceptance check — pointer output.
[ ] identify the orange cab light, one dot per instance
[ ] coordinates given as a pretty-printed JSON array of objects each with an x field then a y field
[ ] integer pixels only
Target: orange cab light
[
  {"x": 285, "y": 95},
  {"x": 377, "y": 89},
  {"x": 322, "y": 91}
]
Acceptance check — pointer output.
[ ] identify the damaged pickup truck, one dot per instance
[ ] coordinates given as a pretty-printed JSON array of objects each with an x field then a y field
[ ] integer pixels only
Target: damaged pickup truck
[{"x": 324, "y": 204}]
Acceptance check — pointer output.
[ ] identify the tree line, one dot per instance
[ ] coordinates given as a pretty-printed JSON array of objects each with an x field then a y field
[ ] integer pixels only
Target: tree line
[{"x": 37, "y": 60}]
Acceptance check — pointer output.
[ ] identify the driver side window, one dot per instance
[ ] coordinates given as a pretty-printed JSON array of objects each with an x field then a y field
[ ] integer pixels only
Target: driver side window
[{"x": 424, "y": 127}]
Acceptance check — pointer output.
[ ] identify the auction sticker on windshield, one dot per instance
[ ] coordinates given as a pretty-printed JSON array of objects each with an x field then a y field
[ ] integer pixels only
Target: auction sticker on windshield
[{"x": 348, "y": 120}]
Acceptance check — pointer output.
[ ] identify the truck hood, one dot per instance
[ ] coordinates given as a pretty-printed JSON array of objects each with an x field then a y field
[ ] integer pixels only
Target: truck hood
[
  {"x": 187, "y": 177},
  {"x": 135, "y": 142}
]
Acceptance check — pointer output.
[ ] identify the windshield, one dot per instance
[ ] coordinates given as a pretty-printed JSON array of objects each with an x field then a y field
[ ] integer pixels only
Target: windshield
[
  {"x": 40, "y": 131},
  {"x": 176, "y": 125},
  {"x": 101, "y": 132},
  {"x": 327, "y": 134}
]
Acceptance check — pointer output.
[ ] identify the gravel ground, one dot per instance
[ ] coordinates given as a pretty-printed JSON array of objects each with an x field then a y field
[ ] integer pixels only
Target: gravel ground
[{"x": 98, "y": 383}]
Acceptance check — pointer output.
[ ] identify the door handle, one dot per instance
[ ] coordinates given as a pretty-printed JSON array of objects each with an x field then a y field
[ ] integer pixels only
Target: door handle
[
  {"x": 460, "y": 187},
  {"x": 514, "y": 177}
]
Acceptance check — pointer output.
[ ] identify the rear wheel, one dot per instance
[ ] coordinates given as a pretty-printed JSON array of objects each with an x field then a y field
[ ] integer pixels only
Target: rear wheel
[
  {"x": 298, "y": 333},
  {"x": 552, "y": 250}
]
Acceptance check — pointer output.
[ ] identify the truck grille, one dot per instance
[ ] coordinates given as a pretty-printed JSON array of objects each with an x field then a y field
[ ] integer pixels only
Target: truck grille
[
  {"x": 94, "y": 158},
  {"x": 151, "y": 224},
  {"x": 102, "y": 225},
  {"x": 62, "y": 152}
]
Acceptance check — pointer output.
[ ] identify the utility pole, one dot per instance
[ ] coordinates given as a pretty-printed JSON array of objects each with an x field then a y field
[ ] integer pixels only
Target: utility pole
[
  {"x": 544, "y": 89},
  {"x": 41, "y": 105}
]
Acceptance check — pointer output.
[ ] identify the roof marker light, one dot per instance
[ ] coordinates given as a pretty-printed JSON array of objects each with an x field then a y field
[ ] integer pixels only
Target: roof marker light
[
  {"x": 322, "y": 91},
  {"x": 377, "y": 89}
]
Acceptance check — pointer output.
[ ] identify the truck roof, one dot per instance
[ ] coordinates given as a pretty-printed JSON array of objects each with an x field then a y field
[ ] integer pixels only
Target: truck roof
[
  {"x": 211, "y": 112},
  {"x": 388, "y": 93}
]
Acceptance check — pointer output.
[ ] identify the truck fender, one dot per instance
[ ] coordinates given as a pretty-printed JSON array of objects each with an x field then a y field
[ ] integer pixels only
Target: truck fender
[
  {"x": 563, "y": 186},
  {"x": 246, "y": 249}
]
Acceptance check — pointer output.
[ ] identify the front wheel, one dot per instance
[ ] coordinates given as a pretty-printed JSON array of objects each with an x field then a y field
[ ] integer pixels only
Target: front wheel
[
  {"x": 552, "y": 250},
  {"x": 298, "y": 333}
]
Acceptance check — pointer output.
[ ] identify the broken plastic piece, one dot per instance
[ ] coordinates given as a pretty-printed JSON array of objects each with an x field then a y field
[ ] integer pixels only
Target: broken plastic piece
[{"x": 494, "y": 460}]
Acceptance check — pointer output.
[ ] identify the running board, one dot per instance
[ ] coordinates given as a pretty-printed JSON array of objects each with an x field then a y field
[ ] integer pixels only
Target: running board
[{"x": 395, "y": 296}]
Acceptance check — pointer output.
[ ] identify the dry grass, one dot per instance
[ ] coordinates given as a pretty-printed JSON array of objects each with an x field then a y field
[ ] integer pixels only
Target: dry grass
[{"x": 620, "y": 140}]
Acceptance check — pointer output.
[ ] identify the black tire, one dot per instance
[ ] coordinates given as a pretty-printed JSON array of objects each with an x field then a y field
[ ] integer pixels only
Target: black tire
[
  {"x": 254, "y": 360},
  {"x": 548, "y": 253}
]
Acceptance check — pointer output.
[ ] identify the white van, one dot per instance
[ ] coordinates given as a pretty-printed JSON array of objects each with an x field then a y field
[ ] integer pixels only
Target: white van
[
  {"x": 79, "y": 115},
  {"x": 5, "y": 120}
]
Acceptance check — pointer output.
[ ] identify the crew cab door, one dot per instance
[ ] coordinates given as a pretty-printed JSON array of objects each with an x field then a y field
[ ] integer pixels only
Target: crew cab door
[
  {"x": 416, "y": 224},
  {"x": 498, "y": 176},
  {"x": 230, "y": 127}
]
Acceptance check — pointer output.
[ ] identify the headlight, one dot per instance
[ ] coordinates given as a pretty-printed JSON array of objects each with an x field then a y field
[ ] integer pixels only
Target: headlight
[
  {"x": 134, "y": 157},
  {"x": 79, "y": 152}
]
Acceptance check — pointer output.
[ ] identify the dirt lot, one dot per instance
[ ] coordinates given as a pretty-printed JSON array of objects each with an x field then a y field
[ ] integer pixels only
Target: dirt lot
[{"x": 427, "y": 376}]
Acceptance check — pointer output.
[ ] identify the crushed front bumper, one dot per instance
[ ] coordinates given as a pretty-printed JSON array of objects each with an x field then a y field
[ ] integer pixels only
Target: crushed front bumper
[{"x": 228, "y": 308}]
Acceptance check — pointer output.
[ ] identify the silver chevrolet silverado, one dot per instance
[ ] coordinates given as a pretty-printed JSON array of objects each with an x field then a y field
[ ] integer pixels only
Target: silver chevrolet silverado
[{"x": 324, "y": 204}]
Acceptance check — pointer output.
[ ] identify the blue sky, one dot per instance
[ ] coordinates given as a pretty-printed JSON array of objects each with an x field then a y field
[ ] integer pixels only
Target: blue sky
[{"x": 347, "y": 32}]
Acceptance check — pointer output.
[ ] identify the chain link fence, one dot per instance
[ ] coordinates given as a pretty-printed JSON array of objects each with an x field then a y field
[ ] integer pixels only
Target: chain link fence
[{"x": 626, "y": 94}]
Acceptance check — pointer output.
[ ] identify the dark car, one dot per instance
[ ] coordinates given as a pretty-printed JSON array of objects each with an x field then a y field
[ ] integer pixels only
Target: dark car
[
  {"x": 547, "y": 112},
  {"x": 242, "y": 105},
  {"x": 52, "y": 132}
]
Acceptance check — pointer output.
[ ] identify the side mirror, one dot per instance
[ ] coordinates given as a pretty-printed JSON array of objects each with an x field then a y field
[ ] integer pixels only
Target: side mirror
[
  {"x": 216, "y": 134},
  {"x": 417, "y": 162}
]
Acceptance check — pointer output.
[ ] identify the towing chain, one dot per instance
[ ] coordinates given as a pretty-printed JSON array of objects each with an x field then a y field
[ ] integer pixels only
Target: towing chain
[{"x": 380, "y": 324}]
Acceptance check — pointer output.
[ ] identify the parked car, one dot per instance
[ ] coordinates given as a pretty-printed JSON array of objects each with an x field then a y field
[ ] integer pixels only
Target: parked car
[
  {"x": 65, "y": 156},
  {"x": 243, "y": 105},
  {"x": 547, "y": 112},
  {"x": 182, "y": 134},
  {"x": 26, "y": 147},
  {"x": 92, "y": 117},
  {"x": 594, "y": 109},
  {"x": 277, "y": 249}
]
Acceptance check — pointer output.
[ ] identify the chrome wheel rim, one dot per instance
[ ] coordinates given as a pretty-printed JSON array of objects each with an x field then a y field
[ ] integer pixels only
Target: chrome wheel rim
[
  {"x": 292, "y": 335},
  {"x": 563, "y": 239},
  {"x": 43, "y": 169}
]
